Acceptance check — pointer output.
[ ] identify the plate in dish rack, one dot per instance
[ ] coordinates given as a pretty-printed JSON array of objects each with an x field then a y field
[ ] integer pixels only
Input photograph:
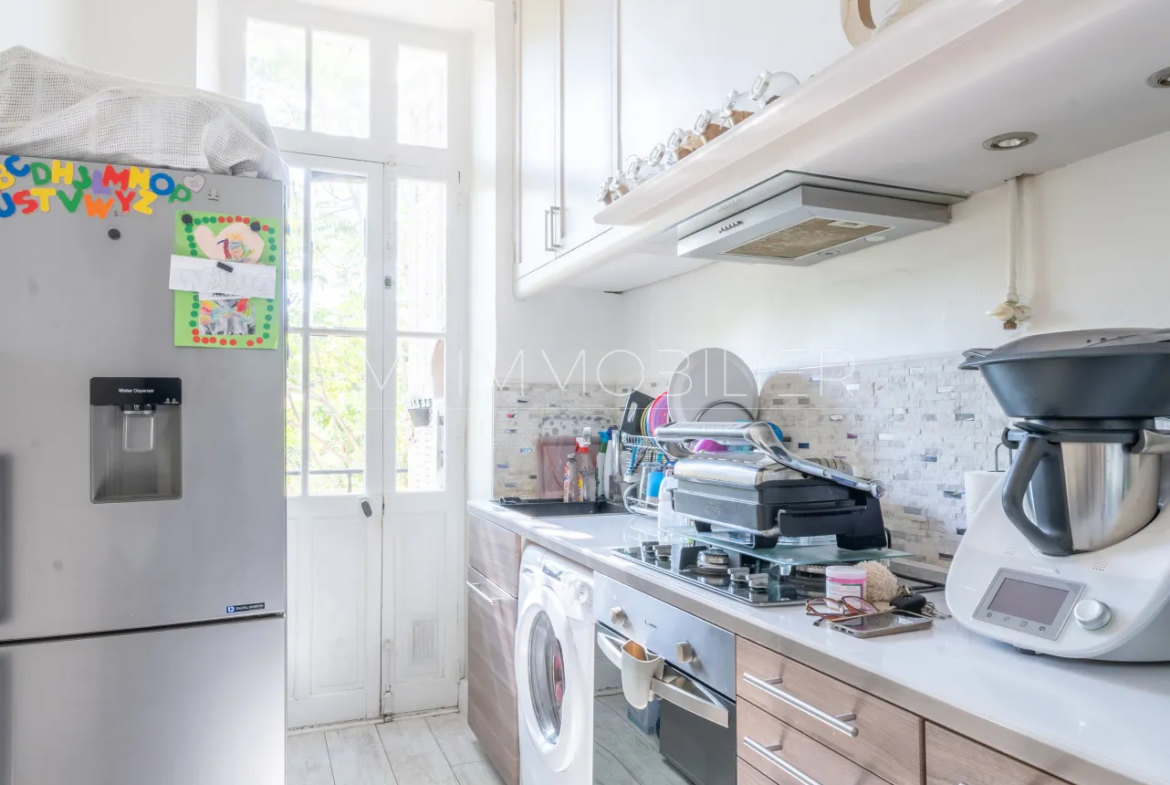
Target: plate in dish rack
[{"x": 713, "y": 385}]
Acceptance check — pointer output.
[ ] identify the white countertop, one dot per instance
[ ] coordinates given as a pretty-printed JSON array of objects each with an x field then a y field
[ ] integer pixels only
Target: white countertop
[{"x": 1091, "y": 723}]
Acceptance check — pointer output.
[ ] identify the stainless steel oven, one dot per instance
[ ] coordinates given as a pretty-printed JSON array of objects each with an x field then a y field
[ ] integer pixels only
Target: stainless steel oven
[{"x": 687, "y": 733}]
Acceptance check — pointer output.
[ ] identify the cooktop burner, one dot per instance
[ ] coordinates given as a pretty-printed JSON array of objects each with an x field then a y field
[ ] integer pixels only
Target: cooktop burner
[{"x": 742, "y": 577}]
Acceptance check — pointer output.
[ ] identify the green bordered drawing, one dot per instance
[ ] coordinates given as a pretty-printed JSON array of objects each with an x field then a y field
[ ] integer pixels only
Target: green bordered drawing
[{"x": 208, "y": 321}]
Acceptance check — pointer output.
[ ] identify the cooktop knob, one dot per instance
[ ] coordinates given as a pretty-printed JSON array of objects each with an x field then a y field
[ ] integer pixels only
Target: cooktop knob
[
  {"x": 684, "y": 653},
  {"x": 1092, "y": 614},
  {"x": 617, "y": 615}
]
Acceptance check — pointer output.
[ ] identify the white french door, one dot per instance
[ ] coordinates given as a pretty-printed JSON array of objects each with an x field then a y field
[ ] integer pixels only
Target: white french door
[
  {"x": 375, "y": 440},
  {"x": 335, "y": 438},
  {"x": 422, "y": 539}
]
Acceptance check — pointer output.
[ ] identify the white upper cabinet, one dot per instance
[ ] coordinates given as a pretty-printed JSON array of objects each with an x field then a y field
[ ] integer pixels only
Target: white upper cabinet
[
  {"x": 589, "y": 121},
  {"x": 537, "y": 151},
  {"x": 567, "y": 123}
]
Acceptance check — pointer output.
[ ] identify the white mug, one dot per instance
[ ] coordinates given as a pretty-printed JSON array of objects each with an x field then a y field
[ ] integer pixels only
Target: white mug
[{"x": 639, "y": 670}]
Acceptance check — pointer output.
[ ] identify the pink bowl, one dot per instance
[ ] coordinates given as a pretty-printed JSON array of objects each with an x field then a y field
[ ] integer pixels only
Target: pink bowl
[
  {"x": 709, "y": 445},
  {"x": 657, "y": 414}
]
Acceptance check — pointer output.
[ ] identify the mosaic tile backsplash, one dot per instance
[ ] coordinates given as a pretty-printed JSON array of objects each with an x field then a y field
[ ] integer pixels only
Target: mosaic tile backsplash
[
  {"x": 521, "y": 417},
  {"x": 917, "y": 424}
]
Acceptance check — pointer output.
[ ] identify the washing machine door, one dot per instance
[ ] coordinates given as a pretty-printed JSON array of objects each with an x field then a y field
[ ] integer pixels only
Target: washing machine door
[{"x": 551, "y": 680}]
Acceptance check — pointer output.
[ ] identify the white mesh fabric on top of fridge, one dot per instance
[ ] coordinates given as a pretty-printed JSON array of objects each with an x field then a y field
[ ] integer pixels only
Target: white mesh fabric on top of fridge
[{"x": 53, "y": 109}]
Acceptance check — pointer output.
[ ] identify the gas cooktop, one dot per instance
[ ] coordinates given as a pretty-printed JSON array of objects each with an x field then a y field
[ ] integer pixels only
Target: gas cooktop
[{"x": 740, "y": 576}]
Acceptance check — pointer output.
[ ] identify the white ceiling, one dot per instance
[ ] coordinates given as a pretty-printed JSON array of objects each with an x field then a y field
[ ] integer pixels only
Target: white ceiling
[{"x": 445, "y": 14}]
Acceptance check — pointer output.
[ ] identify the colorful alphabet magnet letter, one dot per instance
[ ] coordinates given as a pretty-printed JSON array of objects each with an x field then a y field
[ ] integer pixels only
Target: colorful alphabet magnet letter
[{"x": 211, "y": 319}]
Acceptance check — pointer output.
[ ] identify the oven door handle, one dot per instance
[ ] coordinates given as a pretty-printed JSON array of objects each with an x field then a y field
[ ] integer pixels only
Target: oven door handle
[
  {"x": 704, "y": 705},
  {"x": 611, "y": 647}
]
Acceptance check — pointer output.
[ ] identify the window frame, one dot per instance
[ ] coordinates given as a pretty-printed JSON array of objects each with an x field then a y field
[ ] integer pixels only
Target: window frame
[{"x": 385, "y": 36}]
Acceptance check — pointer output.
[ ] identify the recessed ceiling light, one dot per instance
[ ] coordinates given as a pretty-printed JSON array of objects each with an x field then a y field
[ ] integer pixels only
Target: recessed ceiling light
[
  {"x": 1012, "y": 141},
  {"x": 830, "y": 253},
  {"x": 1160, "y": 79},
  {"x": 876, "y": 238}
]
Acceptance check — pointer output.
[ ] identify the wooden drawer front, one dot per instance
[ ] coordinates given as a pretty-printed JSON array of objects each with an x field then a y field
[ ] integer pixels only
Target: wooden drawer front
[
  {"x": 955, "y": 760},
  {"x": 492, "y": 708},
  {"x": 497, "y": 733},
  {"x": 808, "y": 757},
  {"x": 491, "y": 625},
  {"x": 746, "y": 775},
  {"x": 494, "y": 552},
  {"x": 884, "y": 739}
]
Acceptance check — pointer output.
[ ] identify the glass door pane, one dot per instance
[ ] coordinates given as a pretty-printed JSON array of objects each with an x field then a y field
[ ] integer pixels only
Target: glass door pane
[
  {"x": 422, "y": 414},
  {"x": 337, "y": 414},
  {"x": 339, "y": 217},
  {"x": 328, "y": 401},
  {"x": 422, "y": 255},
  {"x": 294, "y": 401}
]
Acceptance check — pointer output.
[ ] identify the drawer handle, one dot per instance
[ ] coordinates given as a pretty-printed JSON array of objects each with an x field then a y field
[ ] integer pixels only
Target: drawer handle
[
  {"x": 838, "y": 723},
  {"x": 482, "y": 594},
  {"x": 769, "y": 754}
]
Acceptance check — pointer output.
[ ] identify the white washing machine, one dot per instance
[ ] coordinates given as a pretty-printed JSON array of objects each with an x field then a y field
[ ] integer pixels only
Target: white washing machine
[{"x": 554, "y": 670}]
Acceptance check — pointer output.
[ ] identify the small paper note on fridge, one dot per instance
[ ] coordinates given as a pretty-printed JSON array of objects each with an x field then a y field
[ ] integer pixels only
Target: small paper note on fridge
[{"x": 225, "y": 278}]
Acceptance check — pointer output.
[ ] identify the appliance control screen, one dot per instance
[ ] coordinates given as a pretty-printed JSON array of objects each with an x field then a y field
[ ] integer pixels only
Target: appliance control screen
[
  {"x": 1027, "y": 603},
  {"x": 1026, "y": 600}
]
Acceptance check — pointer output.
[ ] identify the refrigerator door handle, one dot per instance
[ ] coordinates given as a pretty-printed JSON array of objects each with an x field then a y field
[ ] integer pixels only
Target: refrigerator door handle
[{"x": 367, "y": 509}]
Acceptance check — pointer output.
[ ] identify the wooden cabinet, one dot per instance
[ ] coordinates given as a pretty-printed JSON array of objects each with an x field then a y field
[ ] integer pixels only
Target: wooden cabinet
[
  {"x": 797, "y": 725},
  {"x": 788, "y": 754},
  {"x": 492, "y": 707},
  {"x": 955, "y": 760},
  {"x": 494, "y": 552},
  {"x": 566, "y": 123},
  {"x": 874, "y": 734},
  {"x": 493, "y": 581}
]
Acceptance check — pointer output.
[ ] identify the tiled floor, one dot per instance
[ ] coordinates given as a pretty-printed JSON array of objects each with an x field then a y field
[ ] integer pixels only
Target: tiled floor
[{"x": 433, "y": 751}]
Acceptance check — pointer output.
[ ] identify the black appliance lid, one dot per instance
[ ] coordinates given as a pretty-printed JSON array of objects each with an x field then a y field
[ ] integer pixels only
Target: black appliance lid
[{"x": 1073, "y": 344}]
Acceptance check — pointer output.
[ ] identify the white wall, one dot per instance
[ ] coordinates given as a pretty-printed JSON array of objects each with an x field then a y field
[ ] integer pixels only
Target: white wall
[
  {"x": 483, "y": 277},
  {"x": 153, "y": 40},
  {"x": 1096, "y": 255}
]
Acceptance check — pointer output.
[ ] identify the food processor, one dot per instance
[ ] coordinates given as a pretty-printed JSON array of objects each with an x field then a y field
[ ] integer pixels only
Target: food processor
[{"x": 1071, "y": 556}]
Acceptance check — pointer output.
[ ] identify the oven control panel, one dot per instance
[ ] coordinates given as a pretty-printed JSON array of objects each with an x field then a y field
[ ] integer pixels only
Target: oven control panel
[{"x": 694, "y": 646}]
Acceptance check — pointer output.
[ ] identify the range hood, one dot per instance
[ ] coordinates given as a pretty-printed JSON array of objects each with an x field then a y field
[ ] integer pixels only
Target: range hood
[{"x": 800, "y": 219}]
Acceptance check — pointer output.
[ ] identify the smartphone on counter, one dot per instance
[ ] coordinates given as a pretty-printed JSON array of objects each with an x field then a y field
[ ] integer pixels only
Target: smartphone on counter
[{"x": 877, "y": 624}]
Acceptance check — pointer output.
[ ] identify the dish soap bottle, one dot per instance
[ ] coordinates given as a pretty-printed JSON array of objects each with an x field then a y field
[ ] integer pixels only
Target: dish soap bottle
[
  {"x": 570, "y": 479},
  {"x": 602, "y": 472},
  {"x": 586, "y": 476}
]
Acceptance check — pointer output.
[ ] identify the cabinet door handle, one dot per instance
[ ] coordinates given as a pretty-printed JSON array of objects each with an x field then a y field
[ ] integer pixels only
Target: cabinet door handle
[
  {"x": 769, "y": 754},
  {"x": 548, "y": 243},
  {"x": 482, "y": 594},
  {"x": 557, "y": 238},
  {"x": 839, "y": 723}
]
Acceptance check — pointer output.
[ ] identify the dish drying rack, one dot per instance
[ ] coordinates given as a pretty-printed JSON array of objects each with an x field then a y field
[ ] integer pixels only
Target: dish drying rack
[
  {"x": 639, "y": 455},
  {"x": 670, "y": 443}
]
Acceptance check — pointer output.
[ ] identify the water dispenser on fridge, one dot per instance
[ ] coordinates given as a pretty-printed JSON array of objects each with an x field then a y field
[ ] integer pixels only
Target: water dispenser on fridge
[{"x": 136, "y": 439}]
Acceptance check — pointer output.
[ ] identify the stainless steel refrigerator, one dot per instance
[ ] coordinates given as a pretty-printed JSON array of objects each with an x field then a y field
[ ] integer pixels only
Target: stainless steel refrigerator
[{"x": 142, "y": 510}]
